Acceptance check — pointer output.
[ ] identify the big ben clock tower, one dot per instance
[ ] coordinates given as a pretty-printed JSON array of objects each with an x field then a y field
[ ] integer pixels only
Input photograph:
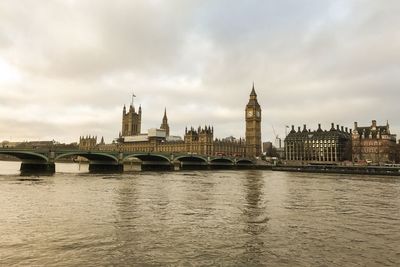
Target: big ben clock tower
[{"x": 253, "y": 126}]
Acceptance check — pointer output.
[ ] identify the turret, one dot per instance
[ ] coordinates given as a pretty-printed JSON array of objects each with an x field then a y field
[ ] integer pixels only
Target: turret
[
  {"x": 253, "y": 94},
  {"x": 131, "y": 121},
  {"x": 164, "y": 124}
]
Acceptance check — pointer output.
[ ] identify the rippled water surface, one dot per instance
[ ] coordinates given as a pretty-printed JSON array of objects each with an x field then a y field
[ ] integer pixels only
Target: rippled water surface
[{"x": 229, "y": 218}]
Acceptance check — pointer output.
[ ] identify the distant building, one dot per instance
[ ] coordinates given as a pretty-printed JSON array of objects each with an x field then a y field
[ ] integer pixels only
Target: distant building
[
  {"x": 152, "y": 134},
  {"x": 398, "y": 152},
  {"x": 173, "y": 138},
  {"x": 36, "y": 145},
  {"x": 229, "y": 139},
  {"x": 8, "y": 144},
  {"x": 319, "y": 146},
  {"x": 88, "y": 142},
  {"x": 267, "y": 149},
  {"x": 41, "y": 145},
  {"x": 373, "y": 144}
]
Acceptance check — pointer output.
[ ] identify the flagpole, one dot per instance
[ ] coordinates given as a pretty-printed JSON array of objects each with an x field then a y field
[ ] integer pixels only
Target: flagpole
[{"x": 133, "y": 96}]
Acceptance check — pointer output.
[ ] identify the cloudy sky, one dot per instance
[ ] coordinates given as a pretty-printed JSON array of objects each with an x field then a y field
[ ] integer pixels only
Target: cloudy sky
[{"x": 68, "y": 67}]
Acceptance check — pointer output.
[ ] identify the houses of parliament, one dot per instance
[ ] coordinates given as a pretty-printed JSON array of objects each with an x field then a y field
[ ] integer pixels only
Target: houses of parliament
[{"x": 195, "y": 141}]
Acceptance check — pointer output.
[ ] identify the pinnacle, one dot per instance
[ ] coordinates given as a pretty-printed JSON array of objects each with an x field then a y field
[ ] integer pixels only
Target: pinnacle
[{"x": 253, "y": 91}]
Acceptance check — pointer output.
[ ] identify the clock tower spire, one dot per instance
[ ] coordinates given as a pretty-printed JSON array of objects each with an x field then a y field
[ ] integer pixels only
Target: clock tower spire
[{"x": 253, "y": 126}]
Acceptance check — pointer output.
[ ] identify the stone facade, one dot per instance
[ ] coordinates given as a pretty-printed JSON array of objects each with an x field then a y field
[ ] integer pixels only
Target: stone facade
[
  {"x": 319, "y": 146},
  {"x": 373, "y": 144},
  {"x": 131, "y": 121},
  {"x": 398, "y": 152},
  {"x": 253, "y": 126},
  {"x": 164, "y": 124},
  {"x": 88, "y": 142},
  {"x": 196, "y": 141}
]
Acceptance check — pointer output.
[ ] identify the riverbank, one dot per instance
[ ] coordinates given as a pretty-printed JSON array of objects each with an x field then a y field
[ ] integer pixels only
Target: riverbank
[{"x": 370, "y": 170}]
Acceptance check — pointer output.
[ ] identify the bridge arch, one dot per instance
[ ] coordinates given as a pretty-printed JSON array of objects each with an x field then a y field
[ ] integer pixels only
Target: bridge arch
[
  {"x": 244, "y": 162},
  {"x": 148, "y": 157},
  {"x": 92, "y": 156},
  {"x": 192, "y": 158},
  {"x": 26, "y": 156},
  {"x": 225, "y": 161}
]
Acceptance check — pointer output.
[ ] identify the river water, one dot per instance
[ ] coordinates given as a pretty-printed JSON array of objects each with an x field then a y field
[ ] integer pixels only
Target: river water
[{"x": 197, "y": 218}]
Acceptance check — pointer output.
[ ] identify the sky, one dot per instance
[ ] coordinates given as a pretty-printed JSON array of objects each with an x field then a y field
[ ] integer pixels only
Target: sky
[{"x": 68, "y": 67}]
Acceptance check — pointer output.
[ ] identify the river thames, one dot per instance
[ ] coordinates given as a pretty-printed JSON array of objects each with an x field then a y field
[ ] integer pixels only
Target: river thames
[{"x": 197, "y": 218}]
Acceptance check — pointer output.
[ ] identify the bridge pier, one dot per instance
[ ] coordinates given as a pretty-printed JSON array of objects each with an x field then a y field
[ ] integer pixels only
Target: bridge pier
[
  {"x": 176, "y": 165},
  {"x": 44, "y": 168}
]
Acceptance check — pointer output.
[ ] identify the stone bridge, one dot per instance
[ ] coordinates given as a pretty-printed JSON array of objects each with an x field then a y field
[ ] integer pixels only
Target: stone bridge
[{"x": 39, "y": 160}]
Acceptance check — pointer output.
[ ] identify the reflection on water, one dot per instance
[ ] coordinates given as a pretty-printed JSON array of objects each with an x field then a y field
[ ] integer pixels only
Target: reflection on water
[
  {"x": 255, "y": 216},
  {"x": 12, "y": 167},
  {"x": 231, "y": 218}
]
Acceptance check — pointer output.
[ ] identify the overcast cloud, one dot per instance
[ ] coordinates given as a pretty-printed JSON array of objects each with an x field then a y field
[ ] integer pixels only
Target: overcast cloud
[{"x": 68, "y": 67}]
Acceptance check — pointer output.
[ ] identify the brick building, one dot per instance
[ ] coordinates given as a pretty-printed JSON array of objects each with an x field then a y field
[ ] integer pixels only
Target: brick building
[{"x": 373, "y": 144}]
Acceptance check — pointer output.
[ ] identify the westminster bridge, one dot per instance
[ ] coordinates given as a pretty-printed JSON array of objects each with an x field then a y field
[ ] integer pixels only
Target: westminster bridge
[{"x": 44, "y": 160}]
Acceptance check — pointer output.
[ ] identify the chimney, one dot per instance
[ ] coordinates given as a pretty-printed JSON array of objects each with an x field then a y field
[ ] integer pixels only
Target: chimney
[
  {"x": 332, "y": 126},
  {"x": 337, "y": 127},
  {"x": 347, "y": 130},
  {"x": 355, "y": 125},
  {"x": 304, "y": 128},
  {"x": 342, "y": 129},
  {"x": 319, "y": 126},
  {"x": 298, "y": 129},
  {"x": 374, "y": 123}
]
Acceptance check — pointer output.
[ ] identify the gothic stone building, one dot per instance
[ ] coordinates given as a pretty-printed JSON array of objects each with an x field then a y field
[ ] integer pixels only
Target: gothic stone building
[
  {"x": 196, "y": 141},
  {"x": 319, "y": 146},
  {"x": 89, "y": 142},
  {"x": 131, "y": 121},
  {"x": 253, "y": 126},
  {"x": 373, "y": 144}
]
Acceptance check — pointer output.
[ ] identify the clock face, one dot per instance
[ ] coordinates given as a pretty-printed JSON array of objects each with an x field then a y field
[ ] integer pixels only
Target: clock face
[
  {"x": 258, "y": 114},
  {"x": 249, "y": 113}
]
